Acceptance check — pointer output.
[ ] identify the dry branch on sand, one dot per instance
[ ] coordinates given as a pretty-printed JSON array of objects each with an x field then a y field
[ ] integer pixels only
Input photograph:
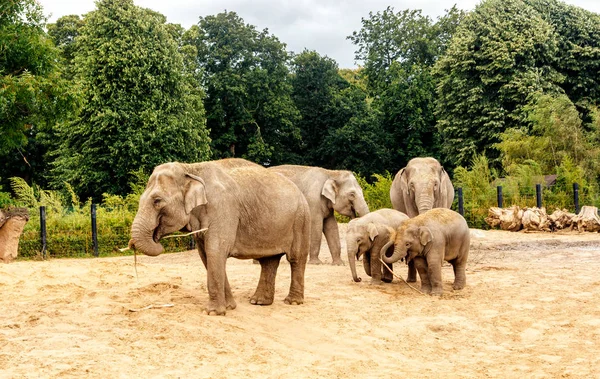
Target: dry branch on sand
[{"x": 536, "y": 219}]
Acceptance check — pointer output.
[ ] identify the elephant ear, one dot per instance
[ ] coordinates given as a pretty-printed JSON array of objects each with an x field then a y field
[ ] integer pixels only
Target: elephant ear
[
  {"x": 403, "y": 181},
  {"x": 446, "y": 190},
  {"x": 425, "y": 235},
  {"x": 329, "y": 190},
  {"x": 195, "y": 194},
  {"x": 373, "y": 232}
]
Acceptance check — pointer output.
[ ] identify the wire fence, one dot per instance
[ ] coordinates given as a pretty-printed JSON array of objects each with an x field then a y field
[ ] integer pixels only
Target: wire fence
[
  {"x": 474, "y": 204},
  {"x": 54, "y": 233},
  {"x": 87, "y": 232}
]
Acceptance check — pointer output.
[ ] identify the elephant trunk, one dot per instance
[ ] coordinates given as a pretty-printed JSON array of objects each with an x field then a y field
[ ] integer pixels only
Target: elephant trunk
[
  {"x": 395, "y": 257},
  {"x": 425, "y": 203},
  {"x": 352, "y": 252},
  {"x": 361, "y": 207},
  {"x": 142, "y": 238}
]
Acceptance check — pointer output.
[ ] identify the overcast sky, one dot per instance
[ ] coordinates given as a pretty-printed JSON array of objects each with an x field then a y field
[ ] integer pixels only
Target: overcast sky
[{"x": 320, "y": 25}]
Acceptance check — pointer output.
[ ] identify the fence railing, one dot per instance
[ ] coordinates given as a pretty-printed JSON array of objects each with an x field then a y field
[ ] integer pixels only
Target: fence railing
[
  {"x": 476, "y": 208},
  {"x": 81, "y": 238}
]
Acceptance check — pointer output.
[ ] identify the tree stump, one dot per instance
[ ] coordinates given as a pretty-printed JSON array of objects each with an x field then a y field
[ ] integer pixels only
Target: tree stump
[
  {"x": 535, "y": 219},
  {"x": 587, "y": 220},
  {"x": 561, "y": 219},
  {"x": 12, "y": 222},
  {"x": 506, "y": 218}
]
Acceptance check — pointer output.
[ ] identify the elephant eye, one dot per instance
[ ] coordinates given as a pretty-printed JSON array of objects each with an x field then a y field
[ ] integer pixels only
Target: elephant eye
[
  {"x": 408, "y": 244},
  {"x": 157, "y": 201}
]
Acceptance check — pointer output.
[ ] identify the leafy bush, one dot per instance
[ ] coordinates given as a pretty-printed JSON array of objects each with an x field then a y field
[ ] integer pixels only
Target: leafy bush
[{"x": 68, "y": 228}]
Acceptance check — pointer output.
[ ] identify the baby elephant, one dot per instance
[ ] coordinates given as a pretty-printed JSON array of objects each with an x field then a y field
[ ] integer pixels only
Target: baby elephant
[
  {"x": 428, "y": 239},
  {"x": 366, "y": 235}
]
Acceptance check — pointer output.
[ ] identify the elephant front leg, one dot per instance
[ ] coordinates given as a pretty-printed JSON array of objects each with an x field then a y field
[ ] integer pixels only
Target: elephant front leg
[
  {"x": 217, "y": 284},
  {"x": 434, "y": 271},
  {"x": 420, "y": 264},
  {"x": 265, "y": 291},
  {"x": 316, "y": 232},
  {"x": 412, "y": 272},
  {"x": 332, "y": 235},
  {"x": 229, "y": 300}
]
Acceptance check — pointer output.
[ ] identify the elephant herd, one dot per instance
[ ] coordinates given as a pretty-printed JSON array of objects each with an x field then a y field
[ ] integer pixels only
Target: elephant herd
[{"x": 243, "y": 210}]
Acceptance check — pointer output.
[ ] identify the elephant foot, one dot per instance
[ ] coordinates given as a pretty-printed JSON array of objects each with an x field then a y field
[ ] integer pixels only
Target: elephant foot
[
  {"x": 261, "y": 299},
  {"x": 337, "y": 262},
  {"x": 436, "y": 291},
  {"x": 425, "y": 289},
  {"x": 213, "y": 310},
  {"x": 386, "y": 279},
  {"x": 458, "y": 286},
  {"x": 315, "y": 261},
  {"x": 231, "y": 305},
  {"x": 294, "y": 300},
  {"x": 376, "y": 281},
  {"x": 411, "y": 279}
]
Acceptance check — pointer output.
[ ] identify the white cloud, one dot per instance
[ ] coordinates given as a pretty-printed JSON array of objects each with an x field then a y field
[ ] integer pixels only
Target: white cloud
[{"x": 320, "y": 25}]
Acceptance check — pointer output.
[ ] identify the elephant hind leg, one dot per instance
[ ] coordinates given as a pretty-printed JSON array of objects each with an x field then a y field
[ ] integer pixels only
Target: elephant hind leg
[
  {"x": 297, "y": 257},
  {"x": 265, "y": 291},
  {"x": 460, "y": 278}
]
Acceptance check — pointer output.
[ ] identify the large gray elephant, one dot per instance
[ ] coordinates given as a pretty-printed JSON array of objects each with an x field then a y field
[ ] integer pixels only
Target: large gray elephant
[
  {"x": 326, "y": 191},
  {"x": 248, "y": 213},
  {"x": 366, "y": 236},
  {"x": 429, "y": 239},
  {"x": 420, "y": 186}
]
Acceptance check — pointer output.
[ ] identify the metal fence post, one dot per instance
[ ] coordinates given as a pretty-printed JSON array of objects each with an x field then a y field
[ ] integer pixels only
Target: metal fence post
[
  {"x": 500, "y": 200},
  {"x": 461, "y": 204},
  {"x": 43, "y": 231},
  {"x": 538, "y": 195},
  {"x": 94, "y": 231},
  {"x": 576, "y": 197}
]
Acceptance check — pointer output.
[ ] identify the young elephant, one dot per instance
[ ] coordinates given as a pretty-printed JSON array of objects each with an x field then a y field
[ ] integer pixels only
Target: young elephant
[
  {"x": 428, "y": 239},
  {"x": 246, "y": 212},
  {"x": 366, "y": 235}
]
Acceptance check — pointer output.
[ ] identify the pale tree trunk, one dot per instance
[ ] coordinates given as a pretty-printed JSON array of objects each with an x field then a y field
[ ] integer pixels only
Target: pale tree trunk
[
  {"x": 587, "y": 220},
  {"x": 12, "y": 222}
]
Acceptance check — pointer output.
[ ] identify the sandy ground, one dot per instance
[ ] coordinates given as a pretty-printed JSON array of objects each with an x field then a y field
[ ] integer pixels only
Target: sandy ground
[{"x": 531, "y": 309}]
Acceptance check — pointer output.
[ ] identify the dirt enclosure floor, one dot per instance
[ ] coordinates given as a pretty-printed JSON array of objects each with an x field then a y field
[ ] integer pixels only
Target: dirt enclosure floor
[{"x": 531, "y": 309}]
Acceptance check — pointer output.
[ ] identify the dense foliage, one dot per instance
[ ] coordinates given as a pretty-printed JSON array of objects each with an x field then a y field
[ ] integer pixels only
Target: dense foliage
[
  {"x": 33, "y": 96},
  {"x": 139, "y": 108},
  {"x": 89, "y": 100}
]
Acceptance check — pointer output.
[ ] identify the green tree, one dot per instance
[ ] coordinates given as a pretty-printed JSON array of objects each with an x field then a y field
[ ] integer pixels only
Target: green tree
[
  {"x": 249, "y": 109},
  {"x": 399, "y": 50},
  {"x": 499, "y": 59},
  {"x": 139, "y": 107},
  {"x": 315, "y": 84},
  {"x": 63, "y": 34},
  {"x": 578, "y": 53},
  {"x": 33, "y": 97}
]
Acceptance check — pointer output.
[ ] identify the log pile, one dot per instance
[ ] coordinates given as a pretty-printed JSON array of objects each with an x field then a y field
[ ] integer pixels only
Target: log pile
[
  {"x": 536, "y": 219},
  {"x": 12, "y": 222}
]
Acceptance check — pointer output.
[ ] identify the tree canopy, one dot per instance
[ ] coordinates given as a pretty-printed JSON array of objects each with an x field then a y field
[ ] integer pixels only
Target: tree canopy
[
  {"x": 139, "y": 109},
  {"x": 513, "y": 84}
]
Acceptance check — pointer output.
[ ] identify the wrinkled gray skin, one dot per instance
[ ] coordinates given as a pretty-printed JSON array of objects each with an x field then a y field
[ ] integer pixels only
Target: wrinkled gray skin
[
  {"x": 326, "y": 191},
  {"x": 366, "y": 236},
  {"x": 429, "y": 239},
  {"x": 420, "y": 186},
  {"x": 248, "y": 213}
]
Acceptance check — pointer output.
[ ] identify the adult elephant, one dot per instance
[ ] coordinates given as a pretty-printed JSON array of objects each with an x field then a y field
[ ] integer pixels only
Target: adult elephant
[
  {"x": 326, "y": 191},
  {"x": 420, "y": 186},
  {"x": 245, "y": 212}
]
